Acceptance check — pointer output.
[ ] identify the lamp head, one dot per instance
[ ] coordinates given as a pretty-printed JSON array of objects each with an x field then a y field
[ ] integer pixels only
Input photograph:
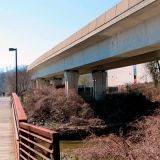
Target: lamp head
[{"x": 12, "y": 49}]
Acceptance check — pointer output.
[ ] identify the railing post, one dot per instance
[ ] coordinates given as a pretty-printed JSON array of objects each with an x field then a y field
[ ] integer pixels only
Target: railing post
[
  {"x": 31, "y": 145},
  {"x": 55, "y": 146},
  {"x": 25, "y": 142}
]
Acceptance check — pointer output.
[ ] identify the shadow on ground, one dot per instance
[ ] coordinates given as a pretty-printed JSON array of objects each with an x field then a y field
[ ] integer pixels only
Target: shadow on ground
[{"x": 119, "y": 109}]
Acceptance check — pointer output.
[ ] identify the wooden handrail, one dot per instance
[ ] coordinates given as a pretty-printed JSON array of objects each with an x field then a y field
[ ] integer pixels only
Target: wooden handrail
[
  {"x": 28, "y": 145},
  {"x": 21, "y": 116},
  {"x": 15, "y": 124}
]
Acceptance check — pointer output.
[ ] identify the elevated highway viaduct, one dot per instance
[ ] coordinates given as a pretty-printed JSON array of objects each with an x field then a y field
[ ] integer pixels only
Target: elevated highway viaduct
[{"x": 127, "y": 34}]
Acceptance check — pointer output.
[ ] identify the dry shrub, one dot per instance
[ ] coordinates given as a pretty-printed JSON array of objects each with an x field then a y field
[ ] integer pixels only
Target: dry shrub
[
  {"x": 151, "y": 92},
  {"x": 81, "y": 122},
  {"x": 86, "y": 112},
  {"x": 127, "y": 106},
  {"x": 78, "y": 121},
  {"x": 115, "y": 147},
  {"x": 51, "y": 104},
  {"x": 99, "y": 149},
  {"x": 96, "y": 122},
  {"x": 148, "y": 147},
  {"x": 141, "y": 143}
]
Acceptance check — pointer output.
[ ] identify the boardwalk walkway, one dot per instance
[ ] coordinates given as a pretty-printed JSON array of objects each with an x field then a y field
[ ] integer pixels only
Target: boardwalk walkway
[{"x": 6, "y": 132}]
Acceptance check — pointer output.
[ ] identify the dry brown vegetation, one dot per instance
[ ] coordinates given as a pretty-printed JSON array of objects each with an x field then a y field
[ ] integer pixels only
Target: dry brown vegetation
[
  {"x": 142, "y": 142},
  {"x": 138, "y": 107},
  {"x": 54, "y": 105}
]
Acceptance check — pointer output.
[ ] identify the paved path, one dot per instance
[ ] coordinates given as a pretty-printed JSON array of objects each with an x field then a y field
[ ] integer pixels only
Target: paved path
[{"x": 6, "y": 132}]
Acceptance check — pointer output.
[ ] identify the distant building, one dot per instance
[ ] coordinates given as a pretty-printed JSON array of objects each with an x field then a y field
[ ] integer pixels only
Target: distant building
[{"x": 130, "y": 74}]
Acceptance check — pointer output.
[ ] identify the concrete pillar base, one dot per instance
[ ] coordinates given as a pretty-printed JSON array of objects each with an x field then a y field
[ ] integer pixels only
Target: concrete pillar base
[
  {"x": 99, "y": 84},
  {"x": 33, "y": 83},
  {"x": 40, "y": 82},
  {"x": 71, "y": 80},
  {"x": 46, "y": 83},
  {"x": 56, "y": 81}
]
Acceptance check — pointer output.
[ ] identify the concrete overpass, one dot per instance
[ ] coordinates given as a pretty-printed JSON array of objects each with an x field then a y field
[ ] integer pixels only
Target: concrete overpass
[{"x": 127, "y": 34}]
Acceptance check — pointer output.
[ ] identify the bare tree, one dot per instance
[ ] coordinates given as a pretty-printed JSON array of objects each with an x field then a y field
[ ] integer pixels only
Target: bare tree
[
  {"x": 2, "y": 81},
  {"x": 24, "y": 81},
  {"x": 154, "y": 70}
]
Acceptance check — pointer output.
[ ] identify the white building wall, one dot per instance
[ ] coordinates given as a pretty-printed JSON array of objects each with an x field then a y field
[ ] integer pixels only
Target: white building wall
[{"x": 121, "y": 76}]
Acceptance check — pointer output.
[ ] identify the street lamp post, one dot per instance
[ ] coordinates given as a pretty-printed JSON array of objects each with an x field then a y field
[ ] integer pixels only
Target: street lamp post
[{"x": 15, "y": 49}]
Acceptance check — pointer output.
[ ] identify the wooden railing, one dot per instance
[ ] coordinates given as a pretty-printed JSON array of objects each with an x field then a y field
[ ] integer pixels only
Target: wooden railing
[{"x": 32, "y": 142}]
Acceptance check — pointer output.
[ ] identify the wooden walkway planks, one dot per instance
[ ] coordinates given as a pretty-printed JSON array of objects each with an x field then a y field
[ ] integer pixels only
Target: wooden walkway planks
[{"x": 6, "y": 133}]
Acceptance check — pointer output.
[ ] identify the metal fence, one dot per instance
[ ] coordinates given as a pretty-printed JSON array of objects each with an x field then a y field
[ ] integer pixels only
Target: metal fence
[{"x": 32, "y": 142}]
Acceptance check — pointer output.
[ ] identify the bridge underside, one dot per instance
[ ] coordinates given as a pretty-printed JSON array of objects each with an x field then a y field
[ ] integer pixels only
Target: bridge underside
[{"x": 132, "y": 40}]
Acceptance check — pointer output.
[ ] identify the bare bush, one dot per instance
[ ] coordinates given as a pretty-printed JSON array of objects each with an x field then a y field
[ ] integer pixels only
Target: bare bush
[
  {"x": 78, "y": 121},
  {"x": 48, "y": 103},
  {"x": 82, "y": 122},
  {"x": 115, "y": 147},
  {"x": 96, "y": 122},
  {"x": 147, "y": 89},
  {"x": 142, "y": 142}
]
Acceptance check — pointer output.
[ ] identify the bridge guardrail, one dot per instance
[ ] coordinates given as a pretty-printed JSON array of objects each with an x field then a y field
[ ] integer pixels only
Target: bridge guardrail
[{"x": 32, "y": 142}]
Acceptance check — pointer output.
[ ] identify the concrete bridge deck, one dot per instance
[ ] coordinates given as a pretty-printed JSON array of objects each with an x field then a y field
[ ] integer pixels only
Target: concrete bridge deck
[{"x": 6, "y": 133}]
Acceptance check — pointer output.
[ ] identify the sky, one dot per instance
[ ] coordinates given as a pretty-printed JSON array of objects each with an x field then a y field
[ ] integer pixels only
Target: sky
[{"x": 36, "y": 26}]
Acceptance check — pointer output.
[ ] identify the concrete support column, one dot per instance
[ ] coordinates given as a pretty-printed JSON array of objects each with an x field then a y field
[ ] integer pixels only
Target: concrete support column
[
  {"x": 99, "y": 84},
  {"x": 56, "y": 81},
  {"x": 40, "y": 82},
  {"x": 33, "y": 83},
  {"x": 71, "y": 80},
  {"x": 46, "y": 83}
]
